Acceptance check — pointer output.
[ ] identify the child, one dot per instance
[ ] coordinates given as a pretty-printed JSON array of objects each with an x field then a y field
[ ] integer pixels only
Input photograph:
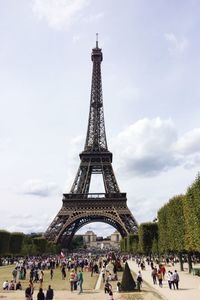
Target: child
[{"x": 111, "y": 295}]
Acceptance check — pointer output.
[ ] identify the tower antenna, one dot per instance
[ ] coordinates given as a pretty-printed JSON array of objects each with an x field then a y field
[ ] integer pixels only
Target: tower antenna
[{"x": 97, "y": 35}]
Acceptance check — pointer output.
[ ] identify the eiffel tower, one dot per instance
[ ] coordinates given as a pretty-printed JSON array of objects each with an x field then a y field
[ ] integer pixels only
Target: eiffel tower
[{"x": 79, "y": 206}]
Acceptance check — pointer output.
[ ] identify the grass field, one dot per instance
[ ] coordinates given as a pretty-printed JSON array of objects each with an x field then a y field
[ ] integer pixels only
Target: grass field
[
  {"x": 57, "y": 282},
  {"x": 62, "y": 287}
]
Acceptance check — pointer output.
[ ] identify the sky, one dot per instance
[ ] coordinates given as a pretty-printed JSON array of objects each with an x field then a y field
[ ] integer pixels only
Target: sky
[{"x": 151, "y": 92}]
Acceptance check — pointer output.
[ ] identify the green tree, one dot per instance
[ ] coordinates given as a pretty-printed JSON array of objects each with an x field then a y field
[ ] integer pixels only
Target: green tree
[
  {"x": 122, "y": 245},
  {"x": 41, "y": 245},
  {"x": 28, "y": 247},
  {"x": 177, "y": 226},
  {"x": 16, "y": 242},
  {"x": 76, "y": 243},
  {"x": 134, "y": 241},
  {"x": 4, "y": 242},
  {"x": 148, "y": 232},
  {"x": 163, "y": 229},
  {"x": 192, "y": 216}
]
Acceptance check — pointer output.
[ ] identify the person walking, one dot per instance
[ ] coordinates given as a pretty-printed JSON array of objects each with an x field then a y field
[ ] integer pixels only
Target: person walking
[
  {"x": 63, "y": 272},
  {"x": 71, "y": 279},
  {"x": 75, "y": 281},
  {"x": 160, "y": 278},
  {"x": 111, "y": 295},
  {"x": 49, "y": 293},
  {"x": 154, "y": 275},
  {"x": 107, "y": 287},
  {"x": 14, "y": 273},
  {"x": 29, "y": 292},
  {"x": 51, "y": 273},
  {"x": 139, "y": 280},
  {"x": 163, "y": 271},
  {"x": 41, "y": 278},
  {"x": 175, "y": 279},
  {"x": 80, "y": 280},
  {"x": 169, "y": 274},
  {"x": 40, "y": 295},
  {"x": 103, "y": 274}
]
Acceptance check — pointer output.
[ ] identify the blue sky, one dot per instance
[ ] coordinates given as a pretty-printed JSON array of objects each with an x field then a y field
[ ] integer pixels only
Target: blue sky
[{"x": 151, "y": 91}]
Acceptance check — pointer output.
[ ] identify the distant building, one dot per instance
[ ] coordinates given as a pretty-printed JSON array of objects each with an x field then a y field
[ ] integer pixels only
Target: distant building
[
  {"x": 91, "y": 240},
  {"x": 89, "y": 237}
]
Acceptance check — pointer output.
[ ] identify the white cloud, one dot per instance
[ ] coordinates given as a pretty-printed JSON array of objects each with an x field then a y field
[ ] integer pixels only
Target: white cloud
[
  {"x": 189, "y": 142},
  {"x": 144, "y": 147},
  {"x": 176, "y": 45},
  {"x": 39, "y": 188},
  {"x": 27, "y": 223},
  {"x": 151, "y": 146},
  {"x": 99, "y": 228},
  {"x": 59, "y": 13}
]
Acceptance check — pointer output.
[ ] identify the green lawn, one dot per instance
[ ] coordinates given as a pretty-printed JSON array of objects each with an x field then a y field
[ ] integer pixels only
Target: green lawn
[{"x": 57, "y": 282}]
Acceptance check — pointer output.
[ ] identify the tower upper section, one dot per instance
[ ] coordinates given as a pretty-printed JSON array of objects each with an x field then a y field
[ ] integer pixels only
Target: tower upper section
[{"x": 96, "y": 134}]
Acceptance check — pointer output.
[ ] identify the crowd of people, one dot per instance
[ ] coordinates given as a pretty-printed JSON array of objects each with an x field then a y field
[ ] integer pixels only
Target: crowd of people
[
  {"x": 159, "y": 273},
  {"x": 32, "y": 269},
  {"x": 72, "y": 269}
]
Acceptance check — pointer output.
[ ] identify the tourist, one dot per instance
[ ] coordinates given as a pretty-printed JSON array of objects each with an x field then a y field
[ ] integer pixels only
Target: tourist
[
  {"x": 169, "y": 279},
  {"x": 163, "y": 271},
  {"x": 175, "y": 279},
  {"x": 18, "y": 286},
  {"x": 96, "y": 268},
  {"x": 103, "y": 273},
  {"x": 75, "y": 281},
  {"x": 40, "y": 295},
  {"x": 119, "y": 286},
  {"x": 51, "y": 273},
  {"x": 14, "y": 273},
  {"x": 154, "y": 275},
  {"x": 63, "y": 272},
  {"x": 107, "y": 269},
  {"x": 71, "y": 279},
  {"x": 91, "y": 266},
  {"x": 107, "y": 287},
  {"x": 142, "y": 265},
  {"x": 11, "y": 285},
  {"x": 49, "y": 293},
  {"x": 160, "y": 278},
  {"x": 109, "y": 277},
  {"x": 29, "y": 292},
  {"x": 5, "y": 285},
  {"x": 139, "y": 280},
  {"x": 41, "y": 278},
  {"x": 80, "y": 280},
  {"x": 111, "y": 295}
]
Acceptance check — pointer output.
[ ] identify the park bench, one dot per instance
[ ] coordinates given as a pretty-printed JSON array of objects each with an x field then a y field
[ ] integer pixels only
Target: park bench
[{"x": 196, "y": 271}]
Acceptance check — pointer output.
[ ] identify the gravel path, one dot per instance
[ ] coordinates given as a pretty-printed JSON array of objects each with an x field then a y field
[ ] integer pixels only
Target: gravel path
[{"x": 189, "y": 284}]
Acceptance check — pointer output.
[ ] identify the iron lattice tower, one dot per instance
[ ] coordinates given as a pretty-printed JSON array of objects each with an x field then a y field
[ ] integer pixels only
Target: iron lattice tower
[{"x": 79, "y": 206}]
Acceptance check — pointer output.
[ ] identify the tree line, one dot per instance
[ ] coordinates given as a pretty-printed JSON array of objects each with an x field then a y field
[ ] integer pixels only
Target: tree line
[
  {"x": 17, "y": 243},
  {"x": 176, "y": 230},
  {"x": 20, "y": 244}
]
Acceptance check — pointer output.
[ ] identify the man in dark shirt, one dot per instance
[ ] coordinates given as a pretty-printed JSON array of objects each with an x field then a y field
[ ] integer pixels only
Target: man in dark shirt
[
  {"x": 28, "y": 293},
  {"x": 49, "y": 294}
]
